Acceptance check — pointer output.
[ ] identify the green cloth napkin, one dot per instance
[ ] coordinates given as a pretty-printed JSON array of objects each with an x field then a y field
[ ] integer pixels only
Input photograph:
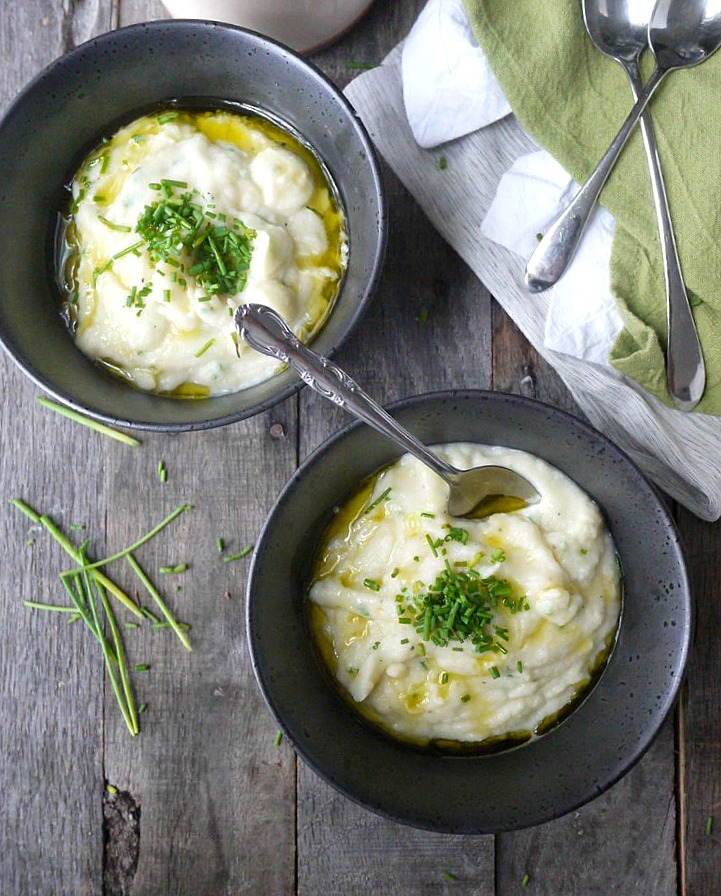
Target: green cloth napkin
[{"x": 572, "y": 99}]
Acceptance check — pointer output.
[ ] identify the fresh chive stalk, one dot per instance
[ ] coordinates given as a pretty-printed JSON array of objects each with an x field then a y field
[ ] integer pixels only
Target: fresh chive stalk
[{"x": 86, "y": 421}]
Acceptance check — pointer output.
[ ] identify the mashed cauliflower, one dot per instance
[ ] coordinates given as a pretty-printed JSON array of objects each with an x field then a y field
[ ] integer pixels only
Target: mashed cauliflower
[
  {"x": 447, "y": 629},
  {"x": 142, "y": 308}
]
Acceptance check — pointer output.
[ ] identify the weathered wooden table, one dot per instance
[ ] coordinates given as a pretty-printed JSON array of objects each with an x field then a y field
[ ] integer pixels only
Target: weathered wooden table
[{"x": 204, "y": 802}]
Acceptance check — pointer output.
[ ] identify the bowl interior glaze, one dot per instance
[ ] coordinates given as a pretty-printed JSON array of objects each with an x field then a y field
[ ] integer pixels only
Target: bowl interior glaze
[
  {"x": 107, "y": 82},
  {"x": 537, "y": 781}
]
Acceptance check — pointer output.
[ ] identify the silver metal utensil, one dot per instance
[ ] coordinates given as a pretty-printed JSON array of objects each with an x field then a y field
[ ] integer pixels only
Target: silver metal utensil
[
  {"x": 619, "y": 29},
  {"x": 681, "y": 33},
  {"x": 472, "y": 493}
]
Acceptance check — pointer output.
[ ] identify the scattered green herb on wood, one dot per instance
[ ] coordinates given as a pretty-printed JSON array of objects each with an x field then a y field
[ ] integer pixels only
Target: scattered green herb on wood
[
  {"x": 87, "y": 588},
  {"x": 86, "y": 421}
]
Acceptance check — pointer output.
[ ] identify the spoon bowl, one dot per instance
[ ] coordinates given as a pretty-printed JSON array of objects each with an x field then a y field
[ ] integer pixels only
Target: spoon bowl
[{"x": 474, "y": 493}]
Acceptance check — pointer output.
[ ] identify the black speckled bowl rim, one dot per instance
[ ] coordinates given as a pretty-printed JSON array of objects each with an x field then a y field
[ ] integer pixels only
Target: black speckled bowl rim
[
  {"x": 560, "y": 771},
  {"x": 60, "y": 115}
]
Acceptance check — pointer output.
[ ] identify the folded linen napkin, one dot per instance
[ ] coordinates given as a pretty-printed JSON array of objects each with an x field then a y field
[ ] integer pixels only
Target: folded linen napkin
[
  {"x": 572, "y": 100},
  {"x": 678, "y": 451}
]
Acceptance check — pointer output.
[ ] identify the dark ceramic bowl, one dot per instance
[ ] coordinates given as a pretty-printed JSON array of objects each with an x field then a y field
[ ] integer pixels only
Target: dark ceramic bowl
[
  {"x": 86, "y": 95},
  {"x": 544, "y": 778}
]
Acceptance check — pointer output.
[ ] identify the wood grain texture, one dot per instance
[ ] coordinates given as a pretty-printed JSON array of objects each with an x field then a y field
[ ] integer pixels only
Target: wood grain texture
[{"x": 207, "y": 803}]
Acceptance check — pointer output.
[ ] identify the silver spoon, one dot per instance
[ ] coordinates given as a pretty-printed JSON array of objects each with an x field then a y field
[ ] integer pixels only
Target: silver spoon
[
  {"x": 619, "y": 29},
  {"x": 472, "y": 493},
  {"x": 681, "y": 33}
]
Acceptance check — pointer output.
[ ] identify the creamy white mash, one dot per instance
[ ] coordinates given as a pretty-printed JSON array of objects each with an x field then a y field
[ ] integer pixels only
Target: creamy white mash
[
  {"x": 537, "y": 593},
  {"x": 144, "y": 306}
]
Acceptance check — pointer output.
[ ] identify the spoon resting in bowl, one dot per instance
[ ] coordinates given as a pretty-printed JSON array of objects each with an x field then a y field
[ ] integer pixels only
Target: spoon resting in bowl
[{"x": 474, "y": 493}]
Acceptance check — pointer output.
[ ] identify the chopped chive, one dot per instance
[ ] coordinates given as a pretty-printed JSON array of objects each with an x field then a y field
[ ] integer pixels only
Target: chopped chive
[
  {"x": 36, "y": 605},
  {"x": 443, "y": 163},
  {"x": 278, "y": 739},
  {"x": 220, "y": 545},
  {"x": 204, "y": 348},
  {"x": 494, "y": 672},
  {"x": 132, "y": 624},
  {"x": 449, "y": 875},
  {"x": 525, "y": 881},
  {"x": 166, "y": 117},
  {"x": 142, "y": 708},
  {"x": 142, "y": 667},
  {"x": 239, "y": 556},
  {"x": 519, "y": 666},
  {"x": 181, "y": 567},
  {"x": 372, "y": 584},
  {"x": 382, "y": 497},
  {"x": 429, "y": 516},
  {"x": 709, "y": 825},
  {"x": 444, "y": 678},
  {"x": 26, "y": 509},
  {"x": 121, "y": 228},
  {"x": 111, "y": 789},
  {"x": 141, "y": 541},
  {"x": 86, "y": 421},
  {"x": 162, "y": 471},
  {"x": 153, "y": 592}
]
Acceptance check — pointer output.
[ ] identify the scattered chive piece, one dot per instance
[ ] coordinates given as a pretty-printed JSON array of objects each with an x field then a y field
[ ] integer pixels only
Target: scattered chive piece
[
  {"x": 121, "y": 228},
  {"x": 243, "y": 553},
  {"x": 519, "y": 665},
  {"x": 352, "y": 671},
  {"x": 181, "y": 567},
  {"x": 221, "y": 545},
  {"x": 443, "y": 163},
  {"x": 86, "y": 421},
  {"x": 204, "y": 349},
  {"x": 449, "y": 875},
  {"x": 278, "y": 739},
  {"x": 36, "y": 605},
  {"x": 142, "y": 667},
  {"x": 465, "y": 698},
  {"x": 444, "y": 678},
  {"x": 494, "y": 672},
  {"x": 153, "y": 592},
  {"x": 162, "y": 471},
  {"x": 373, "y": 585},
  {"x": 132, "y": 625},
  {"x": 429, "y": 516},
  {"x": 27, "y": 510},
  {"x": 525, "y": 881},
  {"x": 142, "y": 708},
  {"x": 111, "y": 789},
  {"x": 382, "y": 497},
  {"x": 141, "y": 541},
  {"x": 423, "y": 316},
  {"x": 166, "y": 117},
  {"x": 709, "y": 825}
]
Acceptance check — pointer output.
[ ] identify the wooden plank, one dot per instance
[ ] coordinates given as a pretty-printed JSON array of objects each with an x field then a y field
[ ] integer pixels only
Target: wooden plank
[
  {"x": 51, "y": 675},
  {"x": 397, "y": 351},
  {"x": 216, "y": 796},
  {"x": 700, "y": 727},
  {"x": 623, "y": 841}
]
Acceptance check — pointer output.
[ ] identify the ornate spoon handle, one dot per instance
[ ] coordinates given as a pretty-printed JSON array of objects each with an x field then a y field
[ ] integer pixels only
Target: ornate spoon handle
[{"x": 267, "y": 332}]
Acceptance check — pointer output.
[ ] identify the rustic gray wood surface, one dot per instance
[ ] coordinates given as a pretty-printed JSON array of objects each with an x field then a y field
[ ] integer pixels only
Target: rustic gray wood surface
[{"x": 204, "y": 802}]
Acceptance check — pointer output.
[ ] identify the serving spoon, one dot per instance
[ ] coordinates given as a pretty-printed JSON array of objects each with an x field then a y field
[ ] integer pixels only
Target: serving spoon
[
  {"x": 619, "y": 29},
  {"x": 474, "y": 493},
  {"x": 681, "y": 33}
]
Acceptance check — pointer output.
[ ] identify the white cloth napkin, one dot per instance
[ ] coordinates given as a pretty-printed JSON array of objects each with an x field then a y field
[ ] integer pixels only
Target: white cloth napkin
[
  {"x": 450, "y": 91},
  {"x": 496, "y": 191}
]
